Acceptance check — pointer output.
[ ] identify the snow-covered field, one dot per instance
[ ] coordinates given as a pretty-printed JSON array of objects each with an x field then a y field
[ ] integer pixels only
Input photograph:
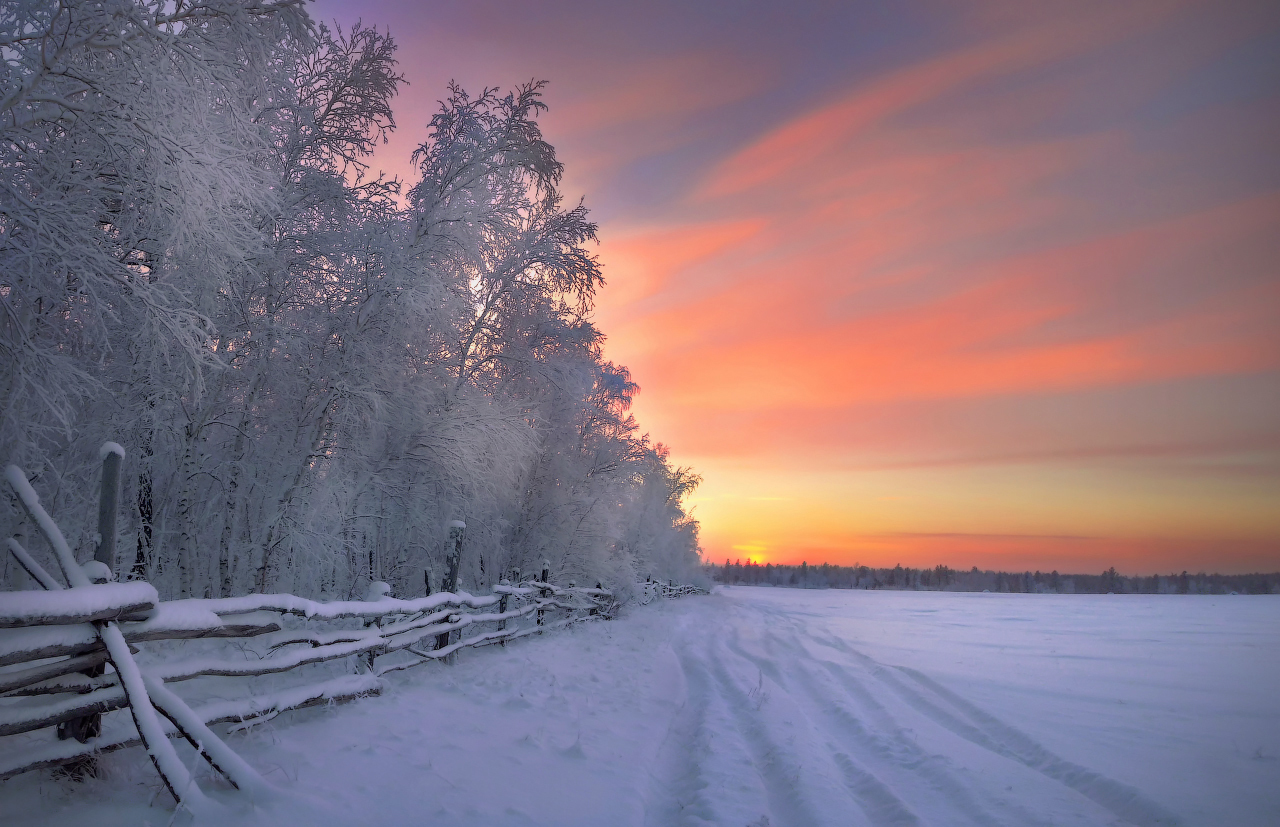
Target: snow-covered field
[{"x": 784, "y": 707}]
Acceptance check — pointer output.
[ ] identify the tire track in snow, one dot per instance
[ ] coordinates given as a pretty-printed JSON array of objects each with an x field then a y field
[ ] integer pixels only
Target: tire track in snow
[
  {"x": 677, "y": 784},
  {"x": 887, "y": 746},
  {"x": 902, "y": 765},
  {"x": 898, "y": 749},
  {"x": 985, "y": 730},
  {"x": 780, "y": 771},
  {"x": 1116, "y": 796},
  {"x": 877, "y": 801},
  {"x": 684, "y": 784},
  {"x": 708, "y": 768}
]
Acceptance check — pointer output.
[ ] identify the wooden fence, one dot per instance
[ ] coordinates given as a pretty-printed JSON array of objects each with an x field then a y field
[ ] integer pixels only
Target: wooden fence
[
  {"x": 671, "y": 589},
  {"x": 60, "y": 706},
  {"x": 57, "y": 639}
]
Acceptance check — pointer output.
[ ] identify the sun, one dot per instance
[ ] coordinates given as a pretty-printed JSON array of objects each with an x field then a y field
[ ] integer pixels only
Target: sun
[{"x": 753, "y": 552}]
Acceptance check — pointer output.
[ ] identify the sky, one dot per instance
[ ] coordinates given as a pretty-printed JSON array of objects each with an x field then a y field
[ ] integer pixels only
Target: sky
[{"x": 988, "y": 283}]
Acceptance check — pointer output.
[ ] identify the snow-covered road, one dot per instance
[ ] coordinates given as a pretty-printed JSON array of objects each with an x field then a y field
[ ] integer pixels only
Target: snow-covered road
[{"x": 784, "y": 707}]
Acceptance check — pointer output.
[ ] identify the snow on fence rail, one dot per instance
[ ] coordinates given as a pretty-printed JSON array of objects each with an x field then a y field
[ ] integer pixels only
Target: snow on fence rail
[{"x": 55, "y": 647}]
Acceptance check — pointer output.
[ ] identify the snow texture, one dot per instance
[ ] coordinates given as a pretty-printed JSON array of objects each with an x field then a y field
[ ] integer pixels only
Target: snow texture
[
  {"x": 787, "y": 707},
  {"x": 74, "y": 605}
]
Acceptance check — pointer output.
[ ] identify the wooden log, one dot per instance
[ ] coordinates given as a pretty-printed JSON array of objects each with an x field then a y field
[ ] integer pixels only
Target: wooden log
[
  {"x": 39, "y": 642},
  {"x": 112, "y": 456},
  {"x": 71, "y": 684},
  {"x": 502, "y": 609},
  {"x": 544, "y": 592},
  {"x": 338, "y": 609},
  {"x": 195, "y": 667},
  {"x": 25, "y": 719},
  {"x": 31, "y": 504},
  {"x": 340, "y": 645},
  {"x": 84, "y": 604},
  {"x": 457, "y": 531},
  {"x": 131, "y": 612},
  {"x": 11, "y": 681},
  {"x": 338, "y": 690},
  {"x": 172, "y": 771}
]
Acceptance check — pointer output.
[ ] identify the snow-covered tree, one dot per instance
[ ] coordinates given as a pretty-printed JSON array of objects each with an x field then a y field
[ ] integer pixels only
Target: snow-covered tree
[{"x": 311, "y": 379}]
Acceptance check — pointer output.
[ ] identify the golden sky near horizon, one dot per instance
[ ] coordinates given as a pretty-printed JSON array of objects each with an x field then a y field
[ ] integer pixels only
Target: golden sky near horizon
[{"x": 989, "y": 284}]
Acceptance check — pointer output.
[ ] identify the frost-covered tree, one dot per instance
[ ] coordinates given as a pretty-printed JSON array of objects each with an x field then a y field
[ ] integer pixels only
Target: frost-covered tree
[
  {"x": 311, "y": 379},
  {"x": 127, "y": 197}
]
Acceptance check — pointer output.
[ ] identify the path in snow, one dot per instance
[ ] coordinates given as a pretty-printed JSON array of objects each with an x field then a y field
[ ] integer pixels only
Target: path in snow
[{"x": 802, "y": 708}]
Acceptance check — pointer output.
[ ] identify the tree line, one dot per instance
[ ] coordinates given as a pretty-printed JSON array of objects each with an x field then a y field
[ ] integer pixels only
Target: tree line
[
  {"x": 313, "y": 369},
  {"x": 943, "y": 578}
]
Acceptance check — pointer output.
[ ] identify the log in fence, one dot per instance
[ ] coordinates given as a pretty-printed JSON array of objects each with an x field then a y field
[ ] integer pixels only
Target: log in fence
[{"x": 60, "y": 706}]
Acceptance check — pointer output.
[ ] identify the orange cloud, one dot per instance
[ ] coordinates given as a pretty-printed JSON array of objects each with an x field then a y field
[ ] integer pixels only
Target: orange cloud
[
  {"x": 1030, "y": 323},
  {"x": 642, "y": 262}
]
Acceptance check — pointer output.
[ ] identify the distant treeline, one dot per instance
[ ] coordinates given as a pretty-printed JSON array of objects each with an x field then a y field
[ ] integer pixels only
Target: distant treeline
[{"x": 942, "y": 578}]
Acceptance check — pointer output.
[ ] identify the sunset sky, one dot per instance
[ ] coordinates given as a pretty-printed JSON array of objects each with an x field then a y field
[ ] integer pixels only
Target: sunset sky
[{"x": 990, "y": 284}]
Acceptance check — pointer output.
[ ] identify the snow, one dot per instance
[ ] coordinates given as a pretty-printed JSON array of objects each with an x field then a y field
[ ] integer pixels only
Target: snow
[
  {"x": 186, "y": 615},
  {"x": 96, "y": 570},
  {"x": 73, "y": 605},
  {"x": 799, "y": 707},
  {"x": 109, "y": 448}
]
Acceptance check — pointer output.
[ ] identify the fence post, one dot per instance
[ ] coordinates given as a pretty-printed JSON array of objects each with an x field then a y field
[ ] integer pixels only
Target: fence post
[
  {"x": 457, "y": 531},
  {"x": 543, "y": 592},
  {"x": 502, "y": 609},
  {"x": 90, "y": 726},
  {"x": 108, "y": 504}
]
